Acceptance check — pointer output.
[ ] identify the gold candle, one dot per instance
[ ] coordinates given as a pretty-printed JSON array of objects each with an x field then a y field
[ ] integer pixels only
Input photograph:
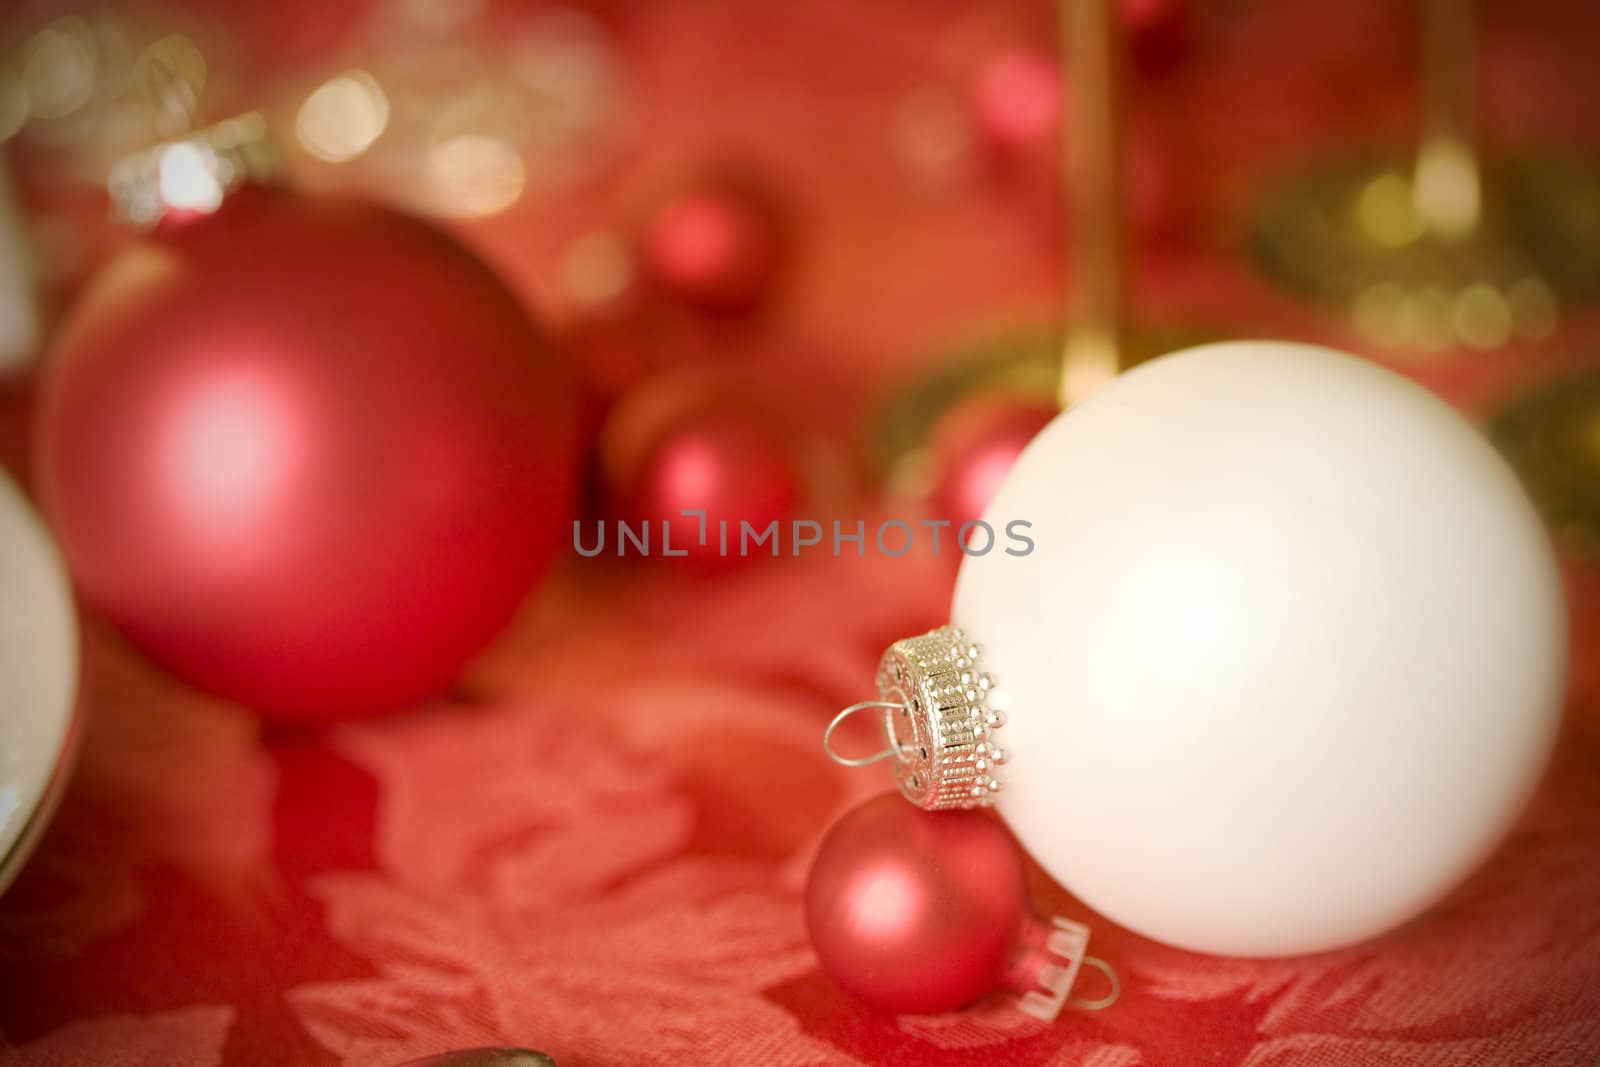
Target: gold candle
[
  {"x": 1092, "y": 44},
  {"x": 1447, "y": 187}
]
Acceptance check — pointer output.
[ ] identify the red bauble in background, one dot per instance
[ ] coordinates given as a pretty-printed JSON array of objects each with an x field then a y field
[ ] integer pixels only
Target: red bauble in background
[
  {"x": 719, "y": 246},
  {"x": 974, "y": 446},
  {"x": 920, "y": 911},
  {"x": 1017, "y": 100},
  {"x": 681, "y": 444},
  {"x": 309, "y": 455}
]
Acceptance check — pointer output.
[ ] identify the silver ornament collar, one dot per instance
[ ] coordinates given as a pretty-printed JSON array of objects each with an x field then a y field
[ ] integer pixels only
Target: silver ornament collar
[{"x": 937, "y": 722}]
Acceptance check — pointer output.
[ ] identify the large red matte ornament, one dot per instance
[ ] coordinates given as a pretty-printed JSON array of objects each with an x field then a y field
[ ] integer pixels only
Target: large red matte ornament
[
  {"x": 920, "y": 911},
  {"x": 309, "y": 455}
]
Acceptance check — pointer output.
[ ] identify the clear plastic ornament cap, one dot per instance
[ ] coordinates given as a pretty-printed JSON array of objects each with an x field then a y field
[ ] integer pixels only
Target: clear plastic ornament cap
[{"x": 1049, "y": 960}]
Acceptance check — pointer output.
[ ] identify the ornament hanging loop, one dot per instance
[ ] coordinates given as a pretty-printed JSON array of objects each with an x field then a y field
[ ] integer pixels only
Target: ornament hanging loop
[
  {"x": 1099, "y": 1003},
  {"x": 893, "y": 748}
]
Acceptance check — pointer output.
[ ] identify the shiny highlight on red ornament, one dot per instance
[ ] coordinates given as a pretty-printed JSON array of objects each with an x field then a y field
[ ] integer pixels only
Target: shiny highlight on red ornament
[{"x": 1017, "y": 100}]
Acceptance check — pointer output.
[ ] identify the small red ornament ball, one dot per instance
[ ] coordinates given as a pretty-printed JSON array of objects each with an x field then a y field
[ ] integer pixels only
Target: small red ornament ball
[
  {"x": 1017, "y": 100},
  {"x": 678, "y": 446},
  {"x": 309, "y": 455},
  {"x": 915, "y": 911},
  {"x": 718, "y": 246},
  {"x": 975, "y": 444}
]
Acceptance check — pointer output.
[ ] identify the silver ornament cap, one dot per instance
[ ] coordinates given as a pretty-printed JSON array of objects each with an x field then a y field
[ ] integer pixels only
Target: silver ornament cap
[
  {"x": 943, "y": 731},
  {"x": 940, "y": 729}
]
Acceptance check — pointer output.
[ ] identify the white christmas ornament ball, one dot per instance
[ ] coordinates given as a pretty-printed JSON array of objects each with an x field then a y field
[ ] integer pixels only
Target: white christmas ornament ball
[
  {"x": 38, "y": 678},
  {"x": 1288, "y": 656}
]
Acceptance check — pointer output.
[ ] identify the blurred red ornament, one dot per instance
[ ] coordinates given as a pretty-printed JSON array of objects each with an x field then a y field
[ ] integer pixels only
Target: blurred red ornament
[
  {"x": 920, "y": 911},
  {"x": 309, "y": 455},
  {"x": 679, "y": 445},
  {"x": 1017, "y": 100},
  {"x": 719, "y": 246},
  {"x": 974, "y": 446},
  {"x": 1159, "y": 32}
]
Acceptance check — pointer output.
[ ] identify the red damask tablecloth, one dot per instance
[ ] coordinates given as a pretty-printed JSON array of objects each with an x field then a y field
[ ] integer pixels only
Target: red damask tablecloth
[
  {"x": 596, "y": 849},
  {"x": 595, "y": 846}
]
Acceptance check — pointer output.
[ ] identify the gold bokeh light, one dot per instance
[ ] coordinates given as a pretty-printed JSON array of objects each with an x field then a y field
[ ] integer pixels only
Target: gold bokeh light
[
  {"x": 58, "y": 68},
  {"x": 1387, "y": 211},
  {"x": 342, "y": 118},
  {"x": 169, "y": 78},
  {"x": 474, "y": 175}
]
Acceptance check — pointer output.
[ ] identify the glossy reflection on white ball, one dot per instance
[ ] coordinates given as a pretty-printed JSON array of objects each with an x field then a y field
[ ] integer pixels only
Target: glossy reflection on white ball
[{"x": 1288, "y": 657}]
